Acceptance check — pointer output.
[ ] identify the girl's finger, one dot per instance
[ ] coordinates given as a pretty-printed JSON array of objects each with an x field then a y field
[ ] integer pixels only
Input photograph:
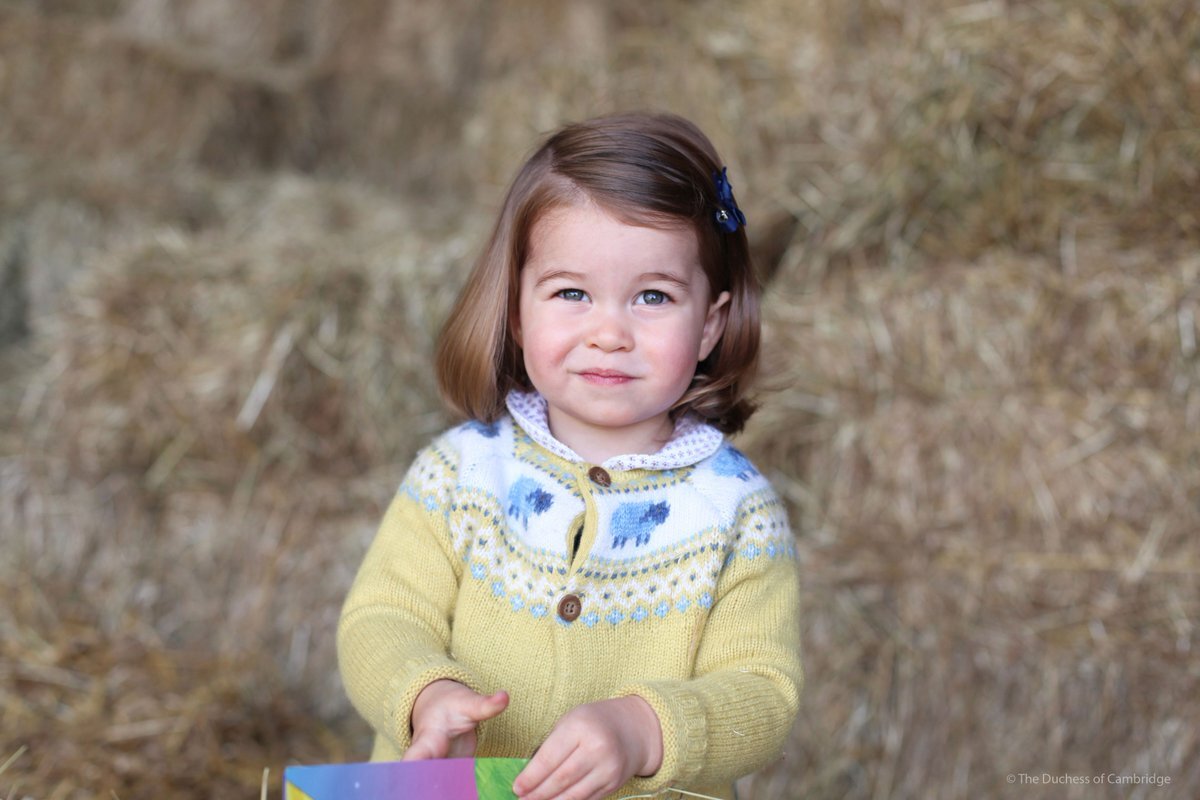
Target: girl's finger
[
  {"x": 592, "y": 786},
  {"x": 575, "y": 779},
  {"x": 426, "y": 745},
  {"x": 548, "y": 758}
]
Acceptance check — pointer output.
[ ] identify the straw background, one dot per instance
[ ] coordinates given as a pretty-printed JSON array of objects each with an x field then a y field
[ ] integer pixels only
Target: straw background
[{"x": 229, "y": 232}]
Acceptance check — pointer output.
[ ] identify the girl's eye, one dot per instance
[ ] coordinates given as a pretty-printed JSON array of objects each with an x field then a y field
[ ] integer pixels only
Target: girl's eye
[
  {"x": 652, "y": 297},
  {"x": 572, "y": 294}
]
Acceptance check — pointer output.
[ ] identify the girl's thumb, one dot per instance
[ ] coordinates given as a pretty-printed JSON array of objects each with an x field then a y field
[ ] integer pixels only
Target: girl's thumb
[{"x": 490, "y": 706}]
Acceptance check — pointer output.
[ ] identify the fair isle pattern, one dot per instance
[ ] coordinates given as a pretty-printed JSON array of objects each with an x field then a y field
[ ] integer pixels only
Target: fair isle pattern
[
  {"x": 692, "y": 440},
  {"x": 527, "y": 579},
  {"x": 683, "y": 578},
  {"x": 530, "y": 580},
  {"x": 430, "y": 478},
  {"x": 662, "y": 538},
  {"x": 553, "y": 467}
]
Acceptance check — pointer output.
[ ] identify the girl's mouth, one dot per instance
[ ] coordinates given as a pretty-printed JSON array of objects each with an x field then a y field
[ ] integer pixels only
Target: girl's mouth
[{"x": 605, "y": 377}]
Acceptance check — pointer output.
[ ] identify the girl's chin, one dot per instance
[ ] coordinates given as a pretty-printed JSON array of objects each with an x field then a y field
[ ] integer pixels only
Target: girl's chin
[{"x": 621, "y": 424}]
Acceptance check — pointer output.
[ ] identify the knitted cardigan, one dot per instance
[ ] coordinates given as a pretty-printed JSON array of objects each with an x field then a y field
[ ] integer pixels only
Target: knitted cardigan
[{"x": 683, "y": 580}]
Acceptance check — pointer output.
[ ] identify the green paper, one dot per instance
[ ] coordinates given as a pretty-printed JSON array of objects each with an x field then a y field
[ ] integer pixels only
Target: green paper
[{"x": 494, "y": 777}]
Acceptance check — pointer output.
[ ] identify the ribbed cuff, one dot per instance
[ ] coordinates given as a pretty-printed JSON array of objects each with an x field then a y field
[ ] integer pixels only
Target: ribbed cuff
[
  {"x": 684, "y": 734},
  {"x": 413, "y": 676}
]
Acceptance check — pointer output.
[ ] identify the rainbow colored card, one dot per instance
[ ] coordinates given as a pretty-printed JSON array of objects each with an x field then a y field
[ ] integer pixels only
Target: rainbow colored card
[{"x": 438, "y": 779}]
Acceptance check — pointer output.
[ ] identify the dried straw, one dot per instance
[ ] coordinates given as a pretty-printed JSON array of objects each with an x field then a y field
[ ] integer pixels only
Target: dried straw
[
  {"x": 981, "y": 330},
  {"x": 165, "y": 409},
  {"x": 995, "y": 468},
  {"x": 123, "y": 711}
]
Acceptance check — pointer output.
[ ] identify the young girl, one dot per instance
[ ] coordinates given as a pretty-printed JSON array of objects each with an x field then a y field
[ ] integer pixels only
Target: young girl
[{"x": 586, "y": 572}]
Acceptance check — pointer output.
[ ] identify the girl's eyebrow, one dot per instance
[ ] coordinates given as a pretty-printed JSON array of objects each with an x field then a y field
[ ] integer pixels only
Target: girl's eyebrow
[
  {"x": 576, "y": 277},
  {"x": 559, "y": 274},
  {"x": 666, "y": 277}
]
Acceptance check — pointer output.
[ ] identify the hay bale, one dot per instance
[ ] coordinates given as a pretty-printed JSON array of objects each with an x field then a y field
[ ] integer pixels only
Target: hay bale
[
  {"x": 941, "y": 132},
  {"x": 594, "y": 59},
  {"x": 994, "y": 470},
  {"x": 62, "y": 215},
  {"x": 87, "y": 706},
  {"x": 76, "y": 88},
  {"x": 181, "y": 339},
  {"x": 992, "y": 463},
  {"x": 191, "y": 385},
  {"x": 196, "y": 382},
  {"x": 80, "y": 88}
]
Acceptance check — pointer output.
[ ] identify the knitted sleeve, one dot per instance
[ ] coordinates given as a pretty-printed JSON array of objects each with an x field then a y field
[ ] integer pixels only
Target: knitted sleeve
[
  {"x": 734, "y": 716},
  {"x": 394, "y": 632}
]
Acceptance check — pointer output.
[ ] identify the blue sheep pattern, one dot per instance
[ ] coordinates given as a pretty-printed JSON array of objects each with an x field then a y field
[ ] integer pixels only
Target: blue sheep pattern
[
  {"x": 728, "y": 462},
  {"x": 490, "y": 430},
  {"x": 527, "y": 498},
  {"x": 636, "y": 521}
]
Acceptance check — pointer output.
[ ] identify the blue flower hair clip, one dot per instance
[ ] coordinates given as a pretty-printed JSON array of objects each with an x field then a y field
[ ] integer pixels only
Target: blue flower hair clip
[{"x": 728, "y": 215}]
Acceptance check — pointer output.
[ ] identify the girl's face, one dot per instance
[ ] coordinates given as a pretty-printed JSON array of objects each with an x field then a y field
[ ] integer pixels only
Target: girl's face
[{"x": 613, "y": 319}]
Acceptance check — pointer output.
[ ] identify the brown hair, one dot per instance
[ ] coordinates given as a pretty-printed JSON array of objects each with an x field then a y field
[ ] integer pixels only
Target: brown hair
[{"x": 654, "y": 170}]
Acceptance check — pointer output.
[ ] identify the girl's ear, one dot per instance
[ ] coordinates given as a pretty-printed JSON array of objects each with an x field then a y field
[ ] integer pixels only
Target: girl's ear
[{"x": 714, "y": 324}]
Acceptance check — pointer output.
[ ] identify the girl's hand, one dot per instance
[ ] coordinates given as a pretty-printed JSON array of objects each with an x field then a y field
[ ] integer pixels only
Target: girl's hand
[
  {"x": 592, "y": 750},
  {"x": 444, "y": 718}
]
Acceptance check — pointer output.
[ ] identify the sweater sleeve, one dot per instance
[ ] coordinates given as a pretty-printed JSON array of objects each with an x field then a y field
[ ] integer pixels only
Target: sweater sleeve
[
  {"x": 735, "y": 714},
  {"x": 394, "y": 633}
]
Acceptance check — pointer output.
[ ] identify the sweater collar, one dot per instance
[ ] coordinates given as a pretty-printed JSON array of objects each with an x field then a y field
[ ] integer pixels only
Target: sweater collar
[{"x": 693, "y": 440}]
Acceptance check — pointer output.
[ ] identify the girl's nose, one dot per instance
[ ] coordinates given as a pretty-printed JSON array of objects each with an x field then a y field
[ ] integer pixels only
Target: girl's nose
[{"x": 609, "y": 330}]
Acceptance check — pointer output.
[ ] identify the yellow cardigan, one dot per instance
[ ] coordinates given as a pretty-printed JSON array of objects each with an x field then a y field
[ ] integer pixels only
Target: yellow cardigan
[{"x": 682, "y": 590}]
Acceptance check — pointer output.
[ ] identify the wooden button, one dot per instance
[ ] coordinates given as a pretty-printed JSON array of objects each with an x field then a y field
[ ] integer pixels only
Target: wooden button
[
  {"x": 569, "y": 607},
  {"x": 599, "y": 476}
]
